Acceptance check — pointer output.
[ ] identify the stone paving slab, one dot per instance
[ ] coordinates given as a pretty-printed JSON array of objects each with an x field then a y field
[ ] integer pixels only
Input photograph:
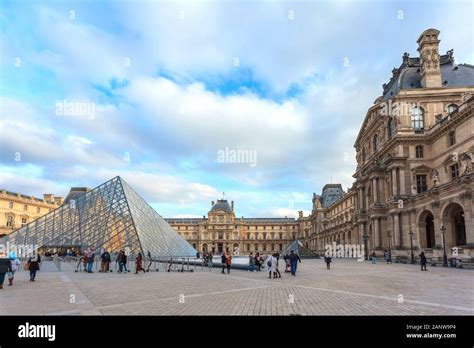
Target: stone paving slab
[{"x": 349, "y": 288}]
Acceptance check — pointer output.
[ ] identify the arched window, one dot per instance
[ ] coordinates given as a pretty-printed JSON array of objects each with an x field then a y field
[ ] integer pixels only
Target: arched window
[
  {"x": 452, "y": 108},
  {"x": 375, "y": 142},
  {"x": 417, "y": 118}
]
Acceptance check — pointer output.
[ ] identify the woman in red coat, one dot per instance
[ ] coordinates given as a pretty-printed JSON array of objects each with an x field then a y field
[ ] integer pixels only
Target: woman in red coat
[{"x": 138, "y": 264}]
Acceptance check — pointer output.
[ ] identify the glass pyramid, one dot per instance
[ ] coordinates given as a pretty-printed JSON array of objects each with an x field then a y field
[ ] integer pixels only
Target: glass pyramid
[
  {"x": 299, "y": 249},
  {"x": 113, "y": 217}
]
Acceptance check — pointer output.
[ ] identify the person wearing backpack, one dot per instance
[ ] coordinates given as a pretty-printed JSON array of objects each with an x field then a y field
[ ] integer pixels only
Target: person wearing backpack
[
  {"x": 271, "y": 265},
  {"x": 328, "y": 260},
  {"x": 34, "y": 265},
  {"x": 15, "y": 263}
]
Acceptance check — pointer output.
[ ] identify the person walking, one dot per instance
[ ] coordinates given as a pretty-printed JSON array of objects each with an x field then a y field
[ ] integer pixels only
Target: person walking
[
  {"x": 277, "y": 256},
  {"x": 105, "y": 257},
  {"x": 286, "y": 258},
  {"x": 423, "y": 261},
  {"x": 34, "y": 265},
  {"x": 373, "y": 257},
  {"x": 85, "y": 260},
  {"x": 258, "y": 262},
  {"x": 228, "y": 261},
  {"x": 328, "y": 260},
  {"x": 122, "y": 261},
  {"x": 209, "y": 261},
  {"x": 5, "y": 267},
  {"x": 294, "y": 258},
  {"x": 150, "y": 261},
  {"x": 271, "y": 264},
  {"x": 138, "y": 264},
  {"x": 385, "y": 255},
  {"x": 15, "y": 263},
  {"x": 90, "y": 260},
  {"x": 224, "y": 262},
  {"x": 251, "y": 262}
]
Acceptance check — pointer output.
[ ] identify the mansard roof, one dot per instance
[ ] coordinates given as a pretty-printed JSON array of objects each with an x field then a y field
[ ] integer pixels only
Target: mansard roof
[{"x": 408, "y": 75}]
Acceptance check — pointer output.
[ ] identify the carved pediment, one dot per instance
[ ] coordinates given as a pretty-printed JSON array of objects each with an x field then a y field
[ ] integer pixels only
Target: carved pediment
[{"x": 422, "y": 168}]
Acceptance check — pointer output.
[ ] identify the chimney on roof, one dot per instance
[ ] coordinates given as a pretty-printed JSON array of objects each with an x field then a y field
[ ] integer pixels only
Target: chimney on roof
[
  {"x": 428, "y": 46},
  {"x": 48, "y": 197},
  {"x": 212, "y": 204},
  {"x": 232, "y": 205},
  {"x": 58, "y": 200}
]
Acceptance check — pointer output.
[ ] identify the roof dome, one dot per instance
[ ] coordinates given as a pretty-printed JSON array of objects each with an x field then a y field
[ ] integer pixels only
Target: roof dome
[{"x": 222, "y": 204}]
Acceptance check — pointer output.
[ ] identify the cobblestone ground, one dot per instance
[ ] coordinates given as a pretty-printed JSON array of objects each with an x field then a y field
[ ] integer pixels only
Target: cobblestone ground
[{"x": 349, "y": 288}]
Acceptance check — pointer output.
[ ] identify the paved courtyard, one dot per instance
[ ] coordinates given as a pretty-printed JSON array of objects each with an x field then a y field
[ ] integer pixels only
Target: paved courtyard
[{"x": 349, "y": 288}]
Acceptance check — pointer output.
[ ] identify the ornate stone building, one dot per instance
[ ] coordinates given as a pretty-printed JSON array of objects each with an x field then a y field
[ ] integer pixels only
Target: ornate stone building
[
  {"x": 414, "y": 175},
  {"x": 331, "y": 218},
  {"x": 222, "y": 230},
  {"x": 16, "y": 210}
]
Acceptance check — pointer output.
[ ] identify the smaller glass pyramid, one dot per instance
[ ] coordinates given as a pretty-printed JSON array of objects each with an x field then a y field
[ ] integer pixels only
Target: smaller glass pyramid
[
  {"x": 113, "y": 217},
  {"x": 299, "y": 249}
]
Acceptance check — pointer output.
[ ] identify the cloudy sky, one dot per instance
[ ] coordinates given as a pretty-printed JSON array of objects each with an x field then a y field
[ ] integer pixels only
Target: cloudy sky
[{"x": 153, "y": 91}]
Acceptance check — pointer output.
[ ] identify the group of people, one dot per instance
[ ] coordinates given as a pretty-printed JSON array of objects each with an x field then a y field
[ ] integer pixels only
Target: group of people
[
  {"x": 388, "y": 258},
  {"x": 226, "y": 260},
  {"x": 88, "y": 259},
  {"x": 207, "y": 260},
  {"x": 256, "y": 262},
  {"x": 9, "y": 265}
]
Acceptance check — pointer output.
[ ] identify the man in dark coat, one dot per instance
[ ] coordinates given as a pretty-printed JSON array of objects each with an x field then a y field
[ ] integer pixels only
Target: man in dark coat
[
  {"x": 294, "y": 258},
  {"x": 105, "y": 257},
  {"x": 423, "y": 261}
]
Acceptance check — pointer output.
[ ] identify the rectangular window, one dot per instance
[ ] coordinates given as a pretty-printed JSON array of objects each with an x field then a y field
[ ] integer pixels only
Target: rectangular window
[
  {"x": 452, "y": 138},
  {"x": 23, "y": 221},
  {"x": 38, "y": 210},
  {"x": 248, "y": 247},
  {"x": 25, "y": 208},
  {"x": 419, "y": 151},
  {"x": 10, "y": 205},
  {"x": 421, "y": 185},
  {"x": 455, "y": 171}
]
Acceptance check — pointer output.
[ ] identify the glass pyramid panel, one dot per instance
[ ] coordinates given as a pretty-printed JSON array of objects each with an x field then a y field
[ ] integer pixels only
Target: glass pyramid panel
[{"x": 113, "y": 217}]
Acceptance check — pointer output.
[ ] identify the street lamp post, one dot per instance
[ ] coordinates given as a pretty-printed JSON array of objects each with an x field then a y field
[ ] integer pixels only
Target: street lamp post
[
  {"x": 365, "y": 237},
  {"x": 445, "y": 256},
  {"x": 411, "y": 246},
  {"x": 389, "y": 237}
]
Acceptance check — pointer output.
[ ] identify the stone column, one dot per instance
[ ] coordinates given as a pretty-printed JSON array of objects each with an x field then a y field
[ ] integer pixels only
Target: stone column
[
  {"x": 394, "y": 182},
  {"x": 377, "y": 232},
  {"x": 402, "y": 181},
  {"x": 375, "y": 190},
  {"x": 396, "y": 230}
]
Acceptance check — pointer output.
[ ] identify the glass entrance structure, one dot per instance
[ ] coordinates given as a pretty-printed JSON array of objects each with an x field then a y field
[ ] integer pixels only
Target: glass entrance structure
[{"x": 113, "y": 217}]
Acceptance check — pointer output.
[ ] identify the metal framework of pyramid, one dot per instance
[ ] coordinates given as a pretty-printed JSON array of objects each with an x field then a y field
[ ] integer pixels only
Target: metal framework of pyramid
[{"x": 113, "y": 217}]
